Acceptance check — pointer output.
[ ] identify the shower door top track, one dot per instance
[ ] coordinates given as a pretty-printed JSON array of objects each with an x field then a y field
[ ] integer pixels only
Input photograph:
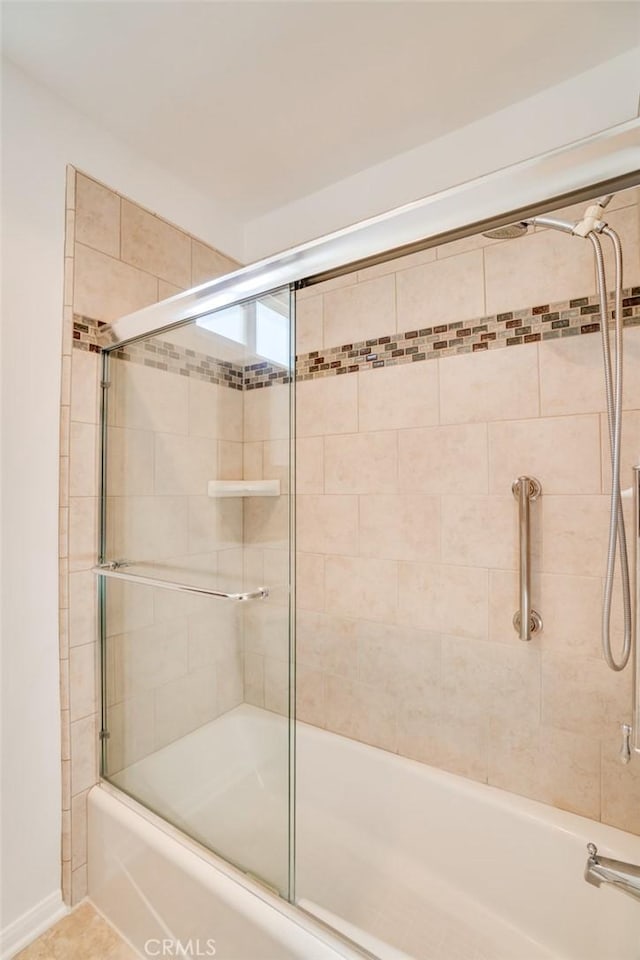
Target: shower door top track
[{"x": 603, "y": 163}]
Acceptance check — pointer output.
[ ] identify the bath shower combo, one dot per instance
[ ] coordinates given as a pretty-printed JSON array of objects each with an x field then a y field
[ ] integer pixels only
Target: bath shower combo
[{"x": 366, "y": 850}]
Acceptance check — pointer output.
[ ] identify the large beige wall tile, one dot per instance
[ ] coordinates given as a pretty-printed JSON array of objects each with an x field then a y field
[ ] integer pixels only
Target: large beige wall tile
[
  {"x": 310, "y": 702},
  {"x": 276, "y": 685},
  {"x": 444, "y": 291},
  {"x": 487, "y": 680},
  {"x": 79, "y": 830},
  {"x": 83, "y": 533},
  {"x": 266, "y": 413},
  {"x": 155, "y": 246},
  {"x": 326, "y": 406},
  {"x": 547, "y": 764},
  {"x": 393, "y": 398},
  {"x": 328, "y": 643},
  {"x": 166, "y": 290},
  {"x": 400, "y": 527},
  {"x": 148, "y": 658},
  {"x": 183, "y": 705},
  {"x": 626, "y": 223},
  {"x": 570, "y": 608},
  {"x": 327, "y": 524},
  {"x": 571, "y": 374},
  {"x": 130, "y": 606},
  {"x": 630, "y": 449},
  {"x": 444, "y": 599},
  {"x": 82, "y": 608},
  {"x": 229, "y": 685},
  {"x": 309, "y": 333},
  {"x": 214, "y": 635},
  {"x": 85, "y": 374},
  {"x": 207, "y": 264},
  {"x": 538, "y": 269},
  {"x": 401, "y": 660},
  {"x": 215, "y": 411},
  {"x": 266, "y": 521},
  {"x": 620, "y": 784},
  {"x": 574, "y": 534},
  {"x": 310, "y": 581},
  {"x": 495, "y": 385},
  {"x": 361, "y": 712},
  {"x": 362, "y": 588},
  {"x": 561, "y": 452},
  {"x": 84, "y": 737},
  {"x": 147, "y": 528},
  {"x": 184, "y": 465},
  {"x": 252, "y": 460},
  {"x": 309, "y": 465},
  {"x": 459, "y": 745},
  {"x": 83, "y": 478},
  {"x": 315, "y": 289},
  {"x": 397, "y": 264},
  {"x": 583, "y": 695},
  {"x": 443, "y": 460},
  {"x": 148, "y": 399},
  {"x": 479, "y": 531},
  {"x": 131, "y": 731},
  {"x": 254, "y": 679},
  {"x": 82, "y": 680},
  {"x": 361, "y": 463},
  {"x": 97, "y": 221},
  {"x": 359, "y": 312},
  {"x": 230, "y": 460},
  {"x": 275, "y": 462},
  {"x": 105, "y": 289},
  {"x": 130, "y": 462},
  {"x": 213, "y": 524}
]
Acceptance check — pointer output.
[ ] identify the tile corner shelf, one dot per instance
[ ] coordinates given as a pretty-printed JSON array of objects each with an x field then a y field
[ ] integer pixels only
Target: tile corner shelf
[{"x": 243, "y": 488}]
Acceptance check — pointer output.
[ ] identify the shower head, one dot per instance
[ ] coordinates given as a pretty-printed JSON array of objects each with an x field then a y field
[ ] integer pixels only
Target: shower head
[
  {"x": 512, "y": 230},
  {"x": 591, "y": 221},
  {"x": 509, "y": 232}
]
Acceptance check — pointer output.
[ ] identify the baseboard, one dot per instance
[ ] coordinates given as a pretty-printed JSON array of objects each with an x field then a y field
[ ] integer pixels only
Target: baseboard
[{"x": 31, "y": 924}]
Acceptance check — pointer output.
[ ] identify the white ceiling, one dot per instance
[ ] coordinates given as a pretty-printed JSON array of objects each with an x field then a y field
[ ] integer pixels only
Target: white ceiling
[{"x": 260, "y": 103}]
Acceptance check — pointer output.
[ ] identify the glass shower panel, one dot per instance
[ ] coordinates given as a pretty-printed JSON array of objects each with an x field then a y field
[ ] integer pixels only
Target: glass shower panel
[{"x": 196, "y": 553}]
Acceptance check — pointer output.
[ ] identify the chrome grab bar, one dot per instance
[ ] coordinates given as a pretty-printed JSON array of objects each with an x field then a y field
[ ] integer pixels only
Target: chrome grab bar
[
  {"x": 525, "y": 620},
  {"x": 114, "y": 569},
  {"x": 631, "y": 731},
  {"x": 625, "y": 876}
]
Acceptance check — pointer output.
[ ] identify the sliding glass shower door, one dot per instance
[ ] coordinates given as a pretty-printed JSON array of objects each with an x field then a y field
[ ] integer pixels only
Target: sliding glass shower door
[{"x": 195, "y": 574}]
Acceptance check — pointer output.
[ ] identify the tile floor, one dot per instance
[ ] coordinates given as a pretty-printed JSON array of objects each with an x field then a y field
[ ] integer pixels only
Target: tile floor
[{"x": 82, "y": 935}]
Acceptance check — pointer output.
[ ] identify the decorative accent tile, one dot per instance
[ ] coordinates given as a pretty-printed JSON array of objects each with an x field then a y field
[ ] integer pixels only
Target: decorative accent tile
[
  {"x": 537, "y": 323},
  {"x": 533, "y": 325}
]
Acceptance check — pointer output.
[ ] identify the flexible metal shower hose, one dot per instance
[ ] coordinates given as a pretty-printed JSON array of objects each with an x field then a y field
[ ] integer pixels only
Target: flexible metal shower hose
[{"x": 613, "y": 387}]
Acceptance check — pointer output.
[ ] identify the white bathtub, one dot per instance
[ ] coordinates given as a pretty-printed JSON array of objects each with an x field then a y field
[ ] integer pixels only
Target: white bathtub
[{"x": 406, "y": 860}]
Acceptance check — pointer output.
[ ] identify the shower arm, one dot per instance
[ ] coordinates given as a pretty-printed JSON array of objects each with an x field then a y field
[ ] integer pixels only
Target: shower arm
[{"x": 591, "y": 222}]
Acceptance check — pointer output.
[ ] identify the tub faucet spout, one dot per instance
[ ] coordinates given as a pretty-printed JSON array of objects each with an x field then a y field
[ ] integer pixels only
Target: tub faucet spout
[{"x": 625, "y": 876}]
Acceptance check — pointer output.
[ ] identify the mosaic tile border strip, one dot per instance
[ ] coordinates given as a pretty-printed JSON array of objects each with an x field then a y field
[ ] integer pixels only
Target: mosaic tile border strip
[
  {"x": 536, "y": 324},
  {"x": 163, "y": 355},
  {"x": 531, "y": 325}
]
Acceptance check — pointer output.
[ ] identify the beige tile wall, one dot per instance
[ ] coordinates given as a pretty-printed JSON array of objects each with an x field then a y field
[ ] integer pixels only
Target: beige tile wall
[
  {"x": 407, "y": 526},
  {"x": 118, "y": 257},
  {"x": 175, "y": 661}
]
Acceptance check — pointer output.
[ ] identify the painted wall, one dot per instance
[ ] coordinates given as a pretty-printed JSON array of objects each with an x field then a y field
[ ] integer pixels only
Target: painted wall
[
  {"x": 41, "y": 135},
  {"x": 584, "y": 105}
]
